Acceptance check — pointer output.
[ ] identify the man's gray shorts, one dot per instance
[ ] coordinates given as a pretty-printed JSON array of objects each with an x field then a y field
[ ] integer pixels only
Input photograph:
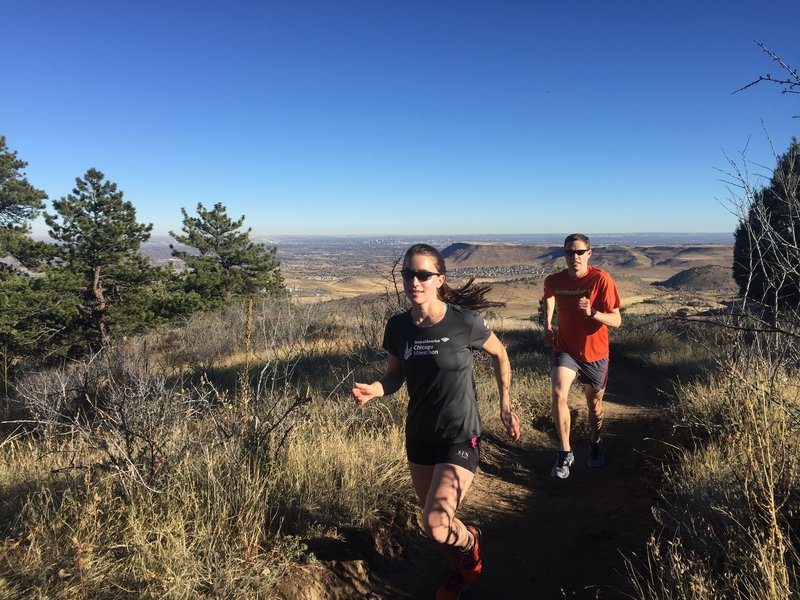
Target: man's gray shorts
[{"x": 594, "y": 373}]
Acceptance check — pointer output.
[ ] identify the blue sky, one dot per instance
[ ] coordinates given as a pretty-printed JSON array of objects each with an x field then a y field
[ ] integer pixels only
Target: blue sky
[{"x": 379, "y": 117}]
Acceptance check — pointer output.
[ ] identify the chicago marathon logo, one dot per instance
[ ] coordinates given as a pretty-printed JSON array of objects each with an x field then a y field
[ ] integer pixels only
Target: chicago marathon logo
[{"x": 424, "y": 347}]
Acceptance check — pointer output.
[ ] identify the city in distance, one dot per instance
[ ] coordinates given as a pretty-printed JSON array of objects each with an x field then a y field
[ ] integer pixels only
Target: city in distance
[
  {"x": 331, "y": 267},
  {"x": 386, "y": 245},
  {"x": 338, "y": 256}
]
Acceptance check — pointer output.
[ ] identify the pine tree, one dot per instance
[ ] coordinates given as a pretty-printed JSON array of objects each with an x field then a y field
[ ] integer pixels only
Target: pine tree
[
  {"x": 33, "y": 315},
  {"x": 21, "y": 295},
  {"x": 766, "y": 254},
  {"x": 20, "y": 203},
  {"x": 222, "y": 262},
  {"x": 99, "y": 260}
]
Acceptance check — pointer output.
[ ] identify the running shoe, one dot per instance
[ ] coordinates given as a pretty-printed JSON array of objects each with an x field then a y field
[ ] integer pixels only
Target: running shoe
[
  {"x": 471, "y": 560},
  {"x": 452, "y": 587},
  {"x": 564, "y": 461},
  {"x": 597, "y": 456}
]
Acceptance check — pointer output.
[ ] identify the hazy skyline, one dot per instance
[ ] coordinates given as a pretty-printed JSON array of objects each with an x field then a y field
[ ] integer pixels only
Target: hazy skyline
[{"x": 371, "y": 117}]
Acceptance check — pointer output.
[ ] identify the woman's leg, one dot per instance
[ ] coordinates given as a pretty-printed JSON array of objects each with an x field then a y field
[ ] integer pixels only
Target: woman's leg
[
  {"x": 421, "y": 476},
  {"x": 441, "y": 489}
]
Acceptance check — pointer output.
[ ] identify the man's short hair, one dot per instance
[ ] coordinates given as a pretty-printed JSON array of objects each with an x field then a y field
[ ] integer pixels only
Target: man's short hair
[{"x": 576, "y": 237}]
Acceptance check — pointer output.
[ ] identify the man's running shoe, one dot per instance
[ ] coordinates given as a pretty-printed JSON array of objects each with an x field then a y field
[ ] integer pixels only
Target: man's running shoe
[
  {"x": 471, "y": 561},
  {"x": 597, "y": 455},
  {"x": 564, "y": 461},
  {"x": 452, "y": 587}
]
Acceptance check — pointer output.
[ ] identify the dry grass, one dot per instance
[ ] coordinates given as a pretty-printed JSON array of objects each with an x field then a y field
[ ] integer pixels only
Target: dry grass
[
  {"x": 200, "y": 519},
  {"x": 669, "y": 347},
  {"x": 346, "y": 467},
  {"x": 183, "y": 465},
  {"x": 180, "y": 469},
  {"x": 83, "y": 538},
  {"x": 730, "y": 501}
]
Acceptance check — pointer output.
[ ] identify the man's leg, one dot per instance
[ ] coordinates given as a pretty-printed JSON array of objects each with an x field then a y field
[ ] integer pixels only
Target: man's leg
[
  {"x": 562, "y": 379},
  {"x": 594, "y": 402}
]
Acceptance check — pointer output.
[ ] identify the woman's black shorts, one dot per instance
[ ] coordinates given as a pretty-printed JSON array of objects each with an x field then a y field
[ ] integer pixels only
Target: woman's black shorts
[{"x": 464, "y": 454}]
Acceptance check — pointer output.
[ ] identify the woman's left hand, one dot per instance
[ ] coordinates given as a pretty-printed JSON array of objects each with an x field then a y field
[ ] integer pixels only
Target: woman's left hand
[{"x": 511, "y": 423}]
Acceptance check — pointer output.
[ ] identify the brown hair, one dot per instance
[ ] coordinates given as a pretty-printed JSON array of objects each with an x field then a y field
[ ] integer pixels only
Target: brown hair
[
  {"x": 470, "y": 295},
  {"x": 576, "y": 237}
]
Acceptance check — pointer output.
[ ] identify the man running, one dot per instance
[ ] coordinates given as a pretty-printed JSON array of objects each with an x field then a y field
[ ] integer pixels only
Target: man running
[{"x": 587, "y": 303}]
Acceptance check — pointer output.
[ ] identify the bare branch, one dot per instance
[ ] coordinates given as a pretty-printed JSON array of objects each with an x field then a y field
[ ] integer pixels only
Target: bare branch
[{"x": 791, "y": 83}]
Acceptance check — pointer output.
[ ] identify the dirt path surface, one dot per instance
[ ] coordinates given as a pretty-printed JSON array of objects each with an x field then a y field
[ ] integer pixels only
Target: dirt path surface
[
  {"x": 569, "y": 538},
  {"x": 544, "y": 538}
]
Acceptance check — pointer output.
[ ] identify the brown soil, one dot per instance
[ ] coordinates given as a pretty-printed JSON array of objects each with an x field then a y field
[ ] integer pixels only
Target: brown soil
[{"x": 543, "y": 538}]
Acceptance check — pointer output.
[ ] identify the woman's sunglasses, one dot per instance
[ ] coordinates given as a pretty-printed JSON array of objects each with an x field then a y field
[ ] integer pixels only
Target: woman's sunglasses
[
  {"x": 580, "y": 252},
  {"x": 409, "y": 274}
]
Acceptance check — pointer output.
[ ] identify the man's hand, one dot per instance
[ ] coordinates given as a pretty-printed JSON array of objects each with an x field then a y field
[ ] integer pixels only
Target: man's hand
[
  {"x": 586, "y": 306},
  {"x": 549, "y": 335}
]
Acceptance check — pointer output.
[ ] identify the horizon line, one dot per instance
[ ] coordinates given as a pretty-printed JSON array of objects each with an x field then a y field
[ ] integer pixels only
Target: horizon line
[{"x": 450, "y": 234}]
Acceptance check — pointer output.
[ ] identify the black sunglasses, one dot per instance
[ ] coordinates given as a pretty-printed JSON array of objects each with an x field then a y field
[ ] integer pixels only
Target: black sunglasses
[
  {"x": 580, "y": 252},
  {"x": 409, "y": 274}
]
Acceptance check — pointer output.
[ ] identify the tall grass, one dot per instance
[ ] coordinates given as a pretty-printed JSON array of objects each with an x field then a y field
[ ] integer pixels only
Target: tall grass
[
  {"x": 104, "y": 507},
  {"x": 670, "y": 348},
  {"x": 194, "y": 461},
  {"x": 347, "y": 467},
  {"x": 730, "y": 500}
]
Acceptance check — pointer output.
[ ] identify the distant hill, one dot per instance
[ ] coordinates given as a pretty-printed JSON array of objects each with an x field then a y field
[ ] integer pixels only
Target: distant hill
[
  {"x": 12, "y": 264},
  {"x": 480, "y": 254},
  {"x": 703, "y": 278}
]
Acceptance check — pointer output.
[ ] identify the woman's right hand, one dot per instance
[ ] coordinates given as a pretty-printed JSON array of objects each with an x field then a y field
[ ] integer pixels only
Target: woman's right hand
[
  {"x": 511, "y": 423},
  {"x": 364, "y": 392}
]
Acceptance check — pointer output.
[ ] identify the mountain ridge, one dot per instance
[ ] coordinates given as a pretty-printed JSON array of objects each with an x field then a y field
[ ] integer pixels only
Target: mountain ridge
[{"x": 623, "y": 256}]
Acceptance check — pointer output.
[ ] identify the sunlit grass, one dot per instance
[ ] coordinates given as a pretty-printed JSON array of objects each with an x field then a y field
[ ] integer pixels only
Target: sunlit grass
[{"x": 192, "y": 478}]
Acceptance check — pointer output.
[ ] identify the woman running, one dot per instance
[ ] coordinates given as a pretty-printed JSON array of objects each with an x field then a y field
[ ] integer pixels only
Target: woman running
[{"x": 430, "y": 348}]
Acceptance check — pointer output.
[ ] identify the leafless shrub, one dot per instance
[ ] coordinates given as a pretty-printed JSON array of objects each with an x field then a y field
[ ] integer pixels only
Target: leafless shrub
[
  {"x": 368, "y": 317},
  {"x": 124, "y": 464},
  {"x": 122, "y": 420},
  {"x": 136, "y": 421},
  {"x": 283, "y": 326},
  {"x": 207, "y": 338},
  {"x": 729, "y": 504}
]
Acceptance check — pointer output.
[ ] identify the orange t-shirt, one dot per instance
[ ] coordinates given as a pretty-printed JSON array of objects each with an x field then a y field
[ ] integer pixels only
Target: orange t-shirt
[{"x": 578, "y": 335}]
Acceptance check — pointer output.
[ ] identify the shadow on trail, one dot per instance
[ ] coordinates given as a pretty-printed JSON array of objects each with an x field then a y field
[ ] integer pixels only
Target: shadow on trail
[
  {"x": 568, "y": 538},
  {"x": 547, "y": 538},
  {"x": 543, "y": 538}
]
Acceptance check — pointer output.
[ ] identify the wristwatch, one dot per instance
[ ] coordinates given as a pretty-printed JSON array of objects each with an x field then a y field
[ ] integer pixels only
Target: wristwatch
[{"x": 594, "y": 312}]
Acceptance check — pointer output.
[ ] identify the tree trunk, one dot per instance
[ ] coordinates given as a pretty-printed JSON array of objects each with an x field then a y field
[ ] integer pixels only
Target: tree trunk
[{"x": 99, "y": 306}]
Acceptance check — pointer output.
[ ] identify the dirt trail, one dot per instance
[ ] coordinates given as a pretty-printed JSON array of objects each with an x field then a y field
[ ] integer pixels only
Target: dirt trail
[
  {"x": 569, "y": 538},
  {"x": 544, "y": 538}
]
